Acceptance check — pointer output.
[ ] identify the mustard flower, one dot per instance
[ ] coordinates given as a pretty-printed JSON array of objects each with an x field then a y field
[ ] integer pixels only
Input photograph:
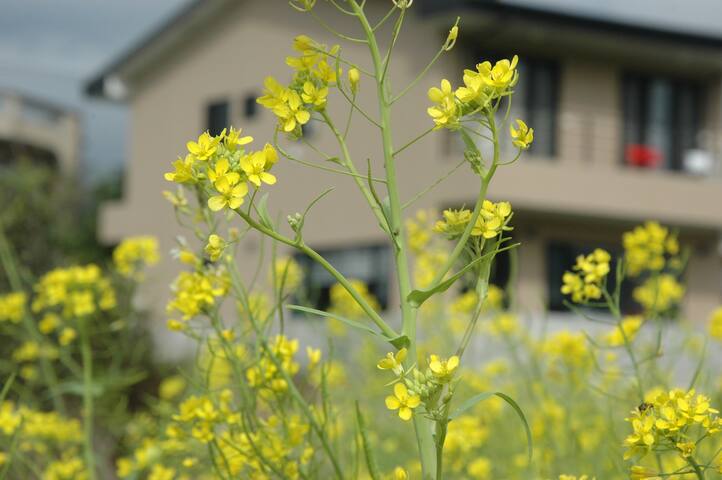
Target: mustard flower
[
  {"x": 647, "y": 248},
  {"x": 659, "y": 294},
  {"x": 502, "y": 75},
  {"x": 222, "y": 170},
  {"x": 231, "y": 195},
  {"x": 233, "y": 138},
  {"x": 314, "y": 356},
  {"x": 315, "y": 96},
  {"x": 590, "y": 273},
  {"x": 12, "y": 307},
  {"x": 204, "y": 148},
  {"x": 451, "y": 38},
  {"x": 454, "y": 222},
  {"x": 393, "y": 362},
  {"x": 522, "y": 136},
  {"x": 183, "y": 171},
  {"x": 134, "y": 253},
  {"x": 255, "y": 165},
  {"x": 344, "y": 304},
  {"x": 403, "y": 401},
  {"x": 215, "y": 246},
  {"x": 445, "y": 113},
  {"x": 287, "y": 273},
  {"x": 443, "y": 370},
  {"x": 628, "y": 327}
]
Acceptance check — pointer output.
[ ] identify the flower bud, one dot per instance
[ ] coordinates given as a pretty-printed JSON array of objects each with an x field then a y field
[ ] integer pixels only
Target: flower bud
[
  {"x": 451, "y": 38},
  {"x": 294, "y": 221},
  {"x": 353, "y": 79}
]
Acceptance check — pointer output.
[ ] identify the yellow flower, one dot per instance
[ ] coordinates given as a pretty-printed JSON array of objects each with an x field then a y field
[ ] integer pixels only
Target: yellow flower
[
  {"x": 344, "y": 304},
  {"x": 715, "y": 324},
  {"x": 647, "y": 247},
  {"x": 222, "y": 169},
  {"x": 231, "y": 195},
  {"x": 393, "y": 361},
  {"x": 171, "y": 387},
  {"x": 12, "y": 307},
  {"x": 659, "y": 294},
  {"x": 403, "y": 401},
  {"x": 183, "y": 171},
  {"x": 134, "y": 253},
  {"x": 480, "y": 469},
  {"x": 287, "y": 273},
  {"x": 502, "y": 75},
  {"x": 204, "y": 148},
  {"x": 446, "y": 113},
  {"x": 454, "y": 222},
  {"x": 443, "y": 369},
  {"x": 314, "y": 96},
  {"x": 686, "y": 449},
  {"x": 522, "y": 136},
  {"x": 587, "y": 283},
  {"x": 629, "y": 326},
  {"x": 214, "y": 248},
  {"x": 233, "y": 139},
  {"x": 400, "y": 474},
  {"x": 254, "y": 165},
  {"x": 67, "y": 336},
  {"x": 314, "y": 356}
]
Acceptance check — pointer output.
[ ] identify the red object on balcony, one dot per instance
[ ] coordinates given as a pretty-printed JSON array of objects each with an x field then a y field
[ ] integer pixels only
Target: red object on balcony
[{"x": 642, "y": 156}]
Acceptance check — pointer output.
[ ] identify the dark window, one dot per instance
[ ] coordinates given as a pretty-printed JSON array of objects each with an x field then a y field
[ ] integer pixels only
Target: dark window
[
  {"x": 370, "y": 264},
  {"x": 217, "y": 117},
  {"x": 250, "y": 106},
  {"x": 662, "y": 120},
  {"x": 562, "y": 256},
  {"x": 537, "y": 95}
]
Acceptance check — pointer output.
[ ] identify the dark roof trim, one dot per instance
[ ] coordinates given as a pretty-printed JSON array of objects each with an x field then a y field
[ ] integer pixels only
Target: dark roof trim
[
  {"x": 96, "y": 85},
  {"x": 512, "y": 11}
]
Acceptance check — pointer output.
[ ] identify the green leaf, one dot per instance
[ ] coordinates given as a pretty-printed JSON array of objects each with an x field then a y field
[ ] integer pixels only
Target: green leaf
[
  {"x": 350, "y": 323},
  {"x": 368, "y": 452},
  {"x": 466, "y": 405},
  {"x": 402, "y": 341},
  {"x": 78, "y": 388},
  {"x": 262, "y": 209},
  {"x": 417, "y": 297},
  {"x": 6, "y": 386}
]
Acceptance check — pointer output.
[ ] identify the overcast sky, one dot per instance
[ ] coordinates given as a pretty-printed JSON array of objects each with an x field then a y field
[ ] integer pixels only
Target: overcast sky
[{"x": 49, "y": 48}]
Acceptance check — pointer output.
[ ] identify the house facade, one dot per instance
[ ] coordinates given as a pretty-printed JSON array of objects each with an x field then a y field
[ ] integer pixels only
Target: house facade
[{"x": 627, "y": 126}]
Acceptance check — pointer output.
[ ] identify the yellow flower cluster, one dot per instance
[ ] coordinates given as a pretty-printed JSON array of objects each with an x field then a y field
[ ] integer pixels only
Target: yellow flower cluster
[
  {"x": 481, "y": 88},
  {"x": 223, "y": 169},
  {"x": 308, "y": 89},
  {"x": 647, "y": 247},
  {"x": 204, "y": 413},
  {"x": 627, "y": 329},
  {"x": 715, "y": 324},
  {"x": 12, "y": 307},
  {"x": 74, "y": 292},
  {"x": 344, "y": 304},
  {"x": 265, "y": 374},
  {"x": 491, "y": 222},
  {"x": 195, "y": 292},
  {"x": 587, "y": 280},
  {"x": 413, "y": 386},
  {"x": 287, "y": 274},
  {"x": 418, "y": 231},
  {"x": 134, "y": 253},
  {"x": 568, "y": 348},
  {"x": 659, "y": 293},
  {"x": 674, "y": 421},
  {"x": 45, "y": 435}
]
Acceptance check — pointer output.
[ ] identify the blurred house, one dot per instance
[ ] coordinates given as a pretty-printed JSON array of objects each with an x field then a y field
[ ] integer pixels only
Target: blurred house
[
  {"x": 627, "y": 123},
  {"x": 37, "y": 130}
]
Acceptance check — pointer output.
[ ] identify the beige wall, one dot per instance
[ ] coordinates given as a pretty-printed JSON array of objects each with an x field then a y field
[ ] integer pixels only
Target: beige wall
[{"x": 231, "y": 58}]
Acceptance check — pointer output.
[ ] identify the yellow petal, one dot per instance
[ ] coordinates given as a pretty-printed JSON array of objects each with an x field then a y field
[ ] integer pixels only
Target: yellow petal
[
  {"x": 405, "y": 413},
  {"x": 216, "y": 203}
]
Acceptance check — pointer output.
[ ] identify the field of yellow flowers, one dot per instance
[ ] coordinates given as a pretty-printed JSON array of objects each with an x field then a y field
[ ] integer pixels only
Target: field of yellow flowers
[{"x": 458, "y": 384}]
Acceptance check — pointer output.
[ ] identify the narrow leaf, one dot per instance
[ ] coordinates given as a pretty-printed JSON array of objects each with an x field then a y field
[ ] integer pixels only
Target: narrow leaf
[
  {"x": 368, "y": 452},
  {"x": 321, "y": 313},
  {"x": 417, "y": 297},
  {"x": 469, "y": 403},
  {"x": 262, "y": 209}
]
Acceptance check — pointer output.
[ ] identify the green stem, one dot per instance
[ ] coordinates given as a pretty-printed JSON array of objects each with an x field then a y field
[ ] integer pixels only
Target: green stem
[
  {"x": 423, "y": 426},
  {"x": 696, "y": 467},
  {"x": 87, "y": 356},
  {"x": 370, "y": 312}
]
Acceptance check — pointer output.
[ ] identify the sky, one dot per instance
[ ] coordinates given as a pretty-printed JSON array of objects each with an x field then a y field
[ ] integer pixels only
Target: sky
[{"x": 50, "y": 48}]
